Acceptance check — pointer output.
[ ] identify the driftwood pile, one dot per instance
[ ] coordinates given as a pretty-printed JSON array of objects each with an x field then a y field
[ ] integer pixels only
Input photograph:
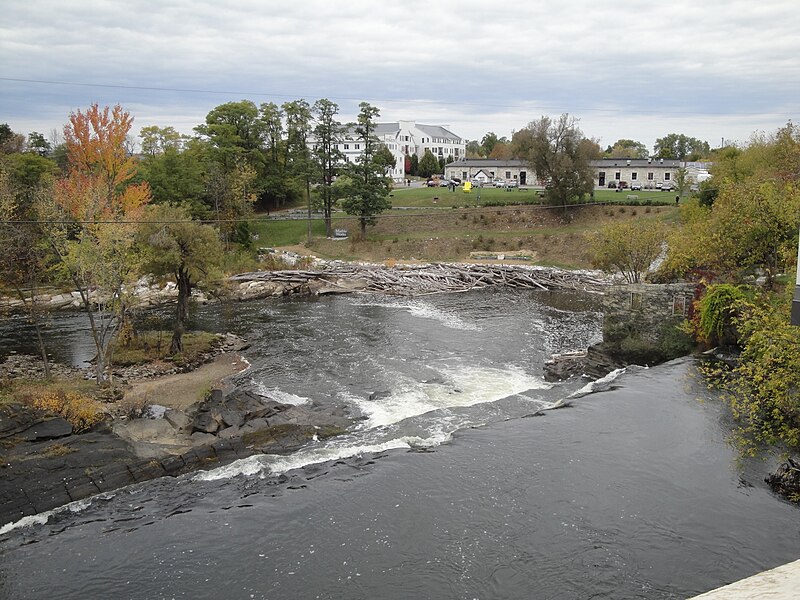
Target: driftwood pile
[{"x": 415, "y": 280}]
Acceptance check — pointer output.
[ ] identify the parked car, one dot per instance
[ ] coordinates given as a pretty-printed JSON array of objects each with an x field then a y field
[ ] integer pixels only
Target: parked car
[
  {"x": 498, "y": 183},
  {"x": 612, "y": 184},
  {"x": 666, "y": 186},
  {"x": 511, "y": 183},
  {"x": 623, "y": 185},
  {"x": 443, "y": 183},
  {"x": 659, "y": 185},
  {"x": 432, "y": 183},
  {"x": 636, "y": 186}
]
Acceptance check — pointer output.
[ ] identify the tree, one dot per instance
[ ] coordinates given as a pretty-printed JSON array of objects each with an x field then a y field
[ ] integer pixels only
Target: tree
[
  {"x": 414, "y": 165},
  {"x": 502, "y": 151},
  {"x": 176, "y": 245},
  {"x": 277, "y": 190},
  {"x": 38, "y": 143},
  {"x": 24, "y": 255},
  {"x": 298, "y": 154},
  {"x": 95, "y": 206},
  {"x": 157, "y": 140},
  {"x": 560, "y": 155},
  {"x": 180, "y": 176},
  {"x": 28, "y": 169},
  {"x": 625, "y": 148},
  {"x": 327, "y": 134},
  {"x": 488, "y": 142},
  {"x": 368, "y": 187},
  {"x": 628, "y": 247},
  {"x": 474, "y": 150},
  {"x": 682, "y": 181},
  {"x": 10, "y": 142},
  {"x": 747, "y": 214},
  {"x": 428, "y": 165},
  {"x": 681, "y": 147}
]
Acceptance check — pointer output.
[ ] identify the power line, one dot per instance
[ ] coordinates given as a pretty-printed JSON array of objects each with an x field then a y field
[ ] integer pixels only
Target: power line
[{"x": 385, "y": 100}]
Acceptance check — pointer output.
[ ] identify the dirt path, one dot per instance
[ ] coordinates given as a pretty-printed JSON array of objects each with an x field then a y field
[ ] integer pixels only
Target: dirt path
[{"x": 184, "y": 389}]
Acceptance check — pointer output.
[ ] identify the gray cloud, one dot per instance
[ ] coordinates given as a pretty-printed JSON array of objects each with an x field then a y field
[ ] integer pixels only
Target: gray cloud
[{"x": 641, "y": 69}]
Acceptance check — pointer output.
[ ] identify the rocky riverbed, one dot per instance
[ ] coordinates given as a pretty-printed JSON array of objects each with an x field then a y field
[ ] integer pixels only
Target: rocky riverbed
[{"x": 44, "y": 463}]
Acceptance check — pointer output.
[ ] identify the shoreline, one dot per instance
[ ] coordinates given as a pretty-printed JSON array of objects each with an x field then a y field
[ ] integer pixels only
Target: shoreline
[{"x": 193, "y": 420}]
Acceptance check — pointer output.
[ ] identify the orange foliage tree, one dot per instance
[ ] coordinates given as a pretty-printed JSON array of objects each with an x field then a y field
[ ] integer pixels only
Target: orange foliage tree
[{"x": 99, "y": 207}]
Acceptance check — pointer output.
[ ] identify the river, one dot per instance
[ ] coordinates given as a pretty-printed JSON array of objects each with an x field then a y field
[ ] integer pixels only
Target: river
[{"x": 456, "y": 481}]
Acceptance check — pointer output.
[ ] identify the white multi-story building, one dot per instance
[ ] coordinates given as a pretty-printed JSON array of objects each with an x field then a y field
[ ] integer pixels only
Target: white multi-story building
[{"x": 406, "y": 138}]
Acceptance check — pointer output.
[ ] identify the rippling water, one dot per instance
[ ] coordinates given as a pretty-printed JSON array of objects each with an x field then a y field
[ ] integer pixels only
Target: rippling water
[{"x": 444, "y": 489}]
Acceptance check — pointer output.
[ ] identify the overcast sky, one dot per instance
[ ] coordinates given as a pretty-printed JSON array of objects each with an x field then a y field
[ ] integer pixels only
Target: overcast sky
[{"x": 710, "y": 69}]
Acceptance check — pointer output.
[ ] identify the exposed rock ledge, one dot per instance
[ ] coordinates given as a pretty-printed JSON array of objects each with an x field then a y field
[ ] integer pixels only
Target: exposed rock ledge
[{"x": 44, "y": 465}]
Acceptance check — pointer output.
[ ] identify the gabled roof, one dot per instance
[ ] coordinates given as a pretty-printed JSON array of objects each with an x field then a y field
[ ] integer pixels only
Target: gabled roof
[
  {"x": 386, "y": 128},
  {"x": 437, "y": 131}
]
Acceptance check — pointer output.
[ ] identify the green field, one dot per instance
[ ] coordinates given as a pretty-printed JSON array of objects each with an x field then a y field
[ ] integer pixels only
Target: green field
[{"x": 489, "y": 196}]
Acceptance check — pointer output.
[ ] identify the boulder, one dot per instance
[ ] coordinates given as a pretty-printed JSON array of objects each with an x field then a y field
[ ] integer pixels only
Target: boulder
[
  {"x": 205, "y": 422},
  {"x": 786, "y": 480},
  {"x": 178, "y": 419}
]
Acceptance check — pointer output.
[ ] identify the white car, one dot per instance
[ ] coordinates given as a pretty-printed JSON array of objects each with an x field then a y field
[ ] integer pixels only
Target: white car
[
  {"x": 499, "y": 183},
  {"x": 511, "y": 183}
]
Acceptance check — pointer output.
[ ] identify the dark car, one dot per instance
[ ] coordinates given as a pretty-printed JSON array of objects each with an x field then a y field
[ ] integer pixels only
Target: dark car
[{"x": 612, "y": 185}]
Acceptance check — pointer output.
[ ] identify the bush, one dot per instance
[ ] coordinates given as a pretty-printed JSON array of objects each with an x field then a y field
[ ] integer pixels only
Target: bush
[
  {"x": 716, "y": 311},
  {"x": 80, "y": 411}
]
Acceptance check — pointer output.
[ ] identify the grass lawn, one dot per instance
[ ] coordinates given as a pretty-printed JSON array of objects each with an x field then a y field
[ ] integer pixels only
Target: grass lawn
[
  {"x": 550, "y": 235},
  {"x": 273, "y": 232},
  {"x": 435, "y": 224},
  {"x": 426, "y": 196}
]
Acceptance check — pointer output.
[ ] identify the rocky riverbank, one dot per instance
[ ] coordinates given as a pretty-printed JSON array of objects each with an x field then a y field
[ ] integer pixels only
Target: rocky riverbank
[{"x": 45, "y": 463}]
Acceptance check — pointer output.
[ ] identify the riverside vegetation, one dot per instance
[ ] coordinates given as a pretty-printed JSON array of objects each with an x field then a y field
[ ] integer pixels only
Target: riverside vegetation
[{"x": 89, "y": 217}]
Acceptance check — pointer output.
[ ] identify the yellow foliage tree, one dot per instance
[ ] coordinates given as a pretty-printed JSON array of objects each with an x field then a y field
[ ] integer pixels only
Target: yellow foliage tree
[{"x": 99, "y": 207}]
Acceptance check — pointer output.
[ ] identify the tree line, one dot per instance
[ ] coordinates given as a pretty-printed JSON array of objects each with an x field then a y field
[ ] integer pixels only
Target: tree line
[{"x": 89, "y": 215}]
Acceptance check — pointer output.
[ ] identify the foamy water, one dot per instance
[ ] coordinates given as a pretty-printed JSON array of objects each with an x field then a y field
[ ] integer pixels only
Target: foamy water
[
  {"x": 424, "y": 310},
  {"x": 416, "y": 415}
]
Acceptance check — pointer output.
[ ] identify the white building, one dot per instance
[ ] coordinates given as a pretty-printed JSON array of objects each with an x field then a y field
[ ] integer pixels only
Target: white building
[
  {"x": 487, "y": 169},
  {"x": 406, "y": 138},
  {"x": 645, "y": 171}
]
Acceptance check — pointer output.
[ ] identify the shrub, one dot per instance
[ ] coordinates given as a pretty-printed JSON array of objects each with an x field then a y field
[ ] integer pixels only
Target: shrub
[
  {"x": 716, "y": 311},
  {"x": 80, "y": 411}
]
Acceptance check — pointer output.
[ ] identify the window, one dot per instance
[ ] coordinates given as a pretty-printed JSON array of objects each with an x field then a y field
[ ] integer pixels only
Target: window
[
  {"x": 616, "y": 175},
  {"x": 508, "y": 174},
  {"x": 680, "y": 306},
  {"x": 650, "y": 176},
  {"x": 347, "y": 146},
  {"x": 358, "y": 147},
  {"x": 491, "y": 174},
  {"x": 636, "y": 301},
  {"x": 666, "y": 176},
  {"x": 463, "y": 174},
  {"x": 633, "y": 176}
]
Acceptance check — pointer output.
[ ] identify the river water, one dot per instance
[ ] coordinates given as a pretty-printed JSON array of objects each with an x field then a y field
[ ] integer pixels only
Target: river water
[{"x": 455, "y": 482}]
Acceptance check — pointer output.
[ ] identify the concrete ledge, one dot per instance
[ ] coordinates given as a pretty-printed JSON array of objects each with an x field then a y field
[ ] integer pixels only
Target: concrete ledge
[{"x": 776, "y": 584}]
